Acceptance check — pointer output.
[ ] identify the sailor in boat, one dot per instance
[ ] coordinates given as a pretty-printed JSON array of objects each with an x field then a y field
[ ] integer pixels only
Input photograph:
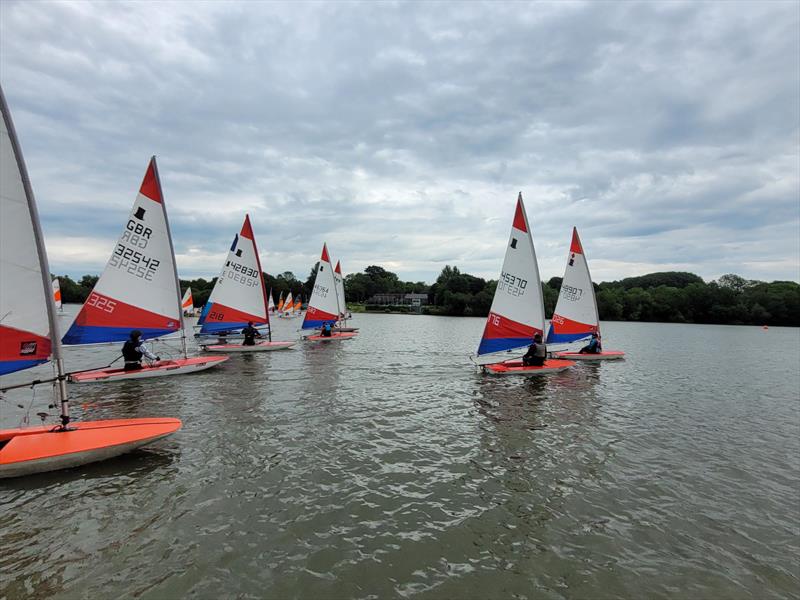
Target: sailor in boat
[
  {"x": 134, "y": 349},
  {"x": 250, "y": 334},
  {"x": 326, "y": 330},
  {"x": 536, "y": 354},
  {"x": 594, "y": 346}
]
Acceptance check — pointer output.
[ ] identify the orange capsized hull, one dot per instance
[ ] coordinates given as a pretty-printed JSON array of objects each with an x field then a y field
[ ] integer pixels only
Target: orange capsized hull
[{"x": 38, "y": 449}]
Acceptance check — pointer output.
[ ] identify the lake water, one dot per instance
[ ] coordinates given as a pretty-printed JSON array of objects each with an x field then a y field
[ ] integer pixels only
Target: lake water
[{"x": 387, "y": 467}]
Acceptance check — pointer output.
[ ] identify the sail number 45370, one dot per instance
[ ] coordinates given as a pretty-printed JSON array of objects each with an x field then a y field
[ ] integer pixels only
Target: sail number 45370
[{"x": 511, "y": 284}]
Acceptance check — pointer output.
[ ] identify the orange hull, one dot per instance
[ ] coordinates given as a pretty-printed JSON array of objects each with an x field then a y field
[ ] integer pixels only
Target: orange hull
[
  {"x": 515, "y": 367},
  {"x": 39, "y": 449},
  {"x": 332, "y": 337}
]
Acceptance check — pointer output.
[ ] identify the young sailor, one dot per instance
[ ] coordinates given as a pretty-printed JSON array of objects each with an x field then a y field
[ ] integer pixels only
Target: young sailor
[
  {"x": 326, "y": 329},
  {"x": 536, "y": 354},
  {"x": 134, "y": 349},
  {"x": 594, "y": 346},
  {"x": 250, "y": 334}
]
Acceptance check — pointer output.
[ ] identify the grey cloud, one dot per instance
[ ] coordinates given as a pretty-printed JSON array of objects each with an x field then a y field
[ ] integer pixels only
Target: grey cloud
[{"x": 403, "y": 131}]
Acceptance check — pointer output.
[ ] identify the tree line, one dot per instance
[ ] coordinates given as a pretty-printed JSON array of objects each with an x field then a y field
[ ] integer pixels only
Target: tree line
[{"x": 672, "y": 297}]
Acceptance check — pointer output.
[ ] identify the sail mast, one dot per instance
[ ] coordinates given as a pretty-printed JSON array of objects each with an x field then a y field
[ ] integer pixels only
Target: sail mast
[
  {"x": 174, "y": 261},
  {"x": 44, "y": 267}
]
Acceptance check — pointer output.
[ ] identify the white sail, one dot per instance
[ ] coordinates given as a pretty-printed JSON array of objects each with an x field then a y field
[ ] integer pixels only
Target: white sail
[
  {"x": 324, "y": 305},
  {"x": 270, "y": 302},
  {"x": 138, "y": 288},
  {"x": 187, "y": 302},
  {"x": 57, "y": 293},
  {"x": 288, "y": 306},
  {"x": 239, "y": 295},
  {"x": 339, "y": 279},
  {"x": 26, "y": 332},
  {"x": 575, "y": 316},
  {"x": 517, "y": 311}
]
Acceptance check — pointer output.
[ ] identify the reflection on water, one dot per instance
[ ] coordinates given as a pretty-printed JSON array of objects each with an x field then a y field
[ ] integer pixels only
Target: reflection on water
[{"x": 385, "y": 466}]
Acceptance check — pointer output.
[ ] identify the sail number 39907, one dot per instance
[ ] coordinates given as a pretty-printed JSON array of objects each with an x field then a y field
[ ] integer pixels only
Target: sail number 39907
[{"x": 570, "y": 293}]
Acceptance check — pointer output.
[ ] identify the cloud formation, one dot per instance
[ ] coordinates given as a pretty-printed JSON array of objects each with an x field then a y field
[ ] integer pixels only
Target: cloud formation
[{"x": 669, "y": 133}]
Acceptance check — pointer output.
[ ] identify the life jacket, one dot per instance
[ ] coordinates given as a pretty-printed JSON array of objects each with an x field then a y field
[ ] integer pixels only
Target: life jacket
[{"x": 130, "y": 352}]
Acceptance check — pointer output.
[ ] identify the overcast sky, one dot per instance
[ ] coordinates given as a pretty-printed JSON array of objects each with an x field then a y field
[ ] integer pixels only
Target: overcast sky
[{"x": 668, "y": 133}]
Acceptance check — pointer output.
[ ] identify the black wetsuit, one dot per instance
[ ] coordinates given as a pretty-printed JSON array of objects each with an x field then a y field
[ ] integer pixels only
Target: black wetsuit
[
  {"x": 326, "y": 331},
  {"x": 250, "y": 334},
  {"x": 132, "y": 356}
]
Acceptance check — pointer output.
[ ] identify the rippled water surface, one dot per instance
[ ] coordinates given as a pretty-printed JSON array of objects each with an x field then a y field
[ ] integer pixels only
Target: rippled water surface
[{"x": 386, "y": 467}]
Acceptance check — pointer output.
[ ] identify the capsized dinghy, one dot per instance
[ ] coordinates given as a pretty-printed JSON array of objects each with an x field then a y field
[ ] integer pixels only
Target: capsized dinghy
[
  {"x": 139, "y": 289},
  {"x": 29, "y": 336},
  {"x": 575, "y": 317},
  {"x": 517, "y": 311},
  {"x": 239, "y": 296}
]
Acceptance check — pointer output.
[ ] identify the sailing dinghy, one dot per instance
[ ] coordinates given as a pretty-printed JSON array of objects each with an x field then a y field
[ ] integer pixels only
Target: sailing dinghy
[
  {"x": 576, "y": 318},
  {"x": 323, "y": 307},
  {"x": 517, "y": 312},
  {"x": 29, "y": 336},
  {"x": 239, "y": 296},
  {"x": 187, "y": 303},
  {"x": 139, "y": 289},
  {"x": 270, "y": 302},
  {"x": 342, "y": 324},
  {"x": 57, "y": 297},
  {"x": 288, "y": 308}
]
